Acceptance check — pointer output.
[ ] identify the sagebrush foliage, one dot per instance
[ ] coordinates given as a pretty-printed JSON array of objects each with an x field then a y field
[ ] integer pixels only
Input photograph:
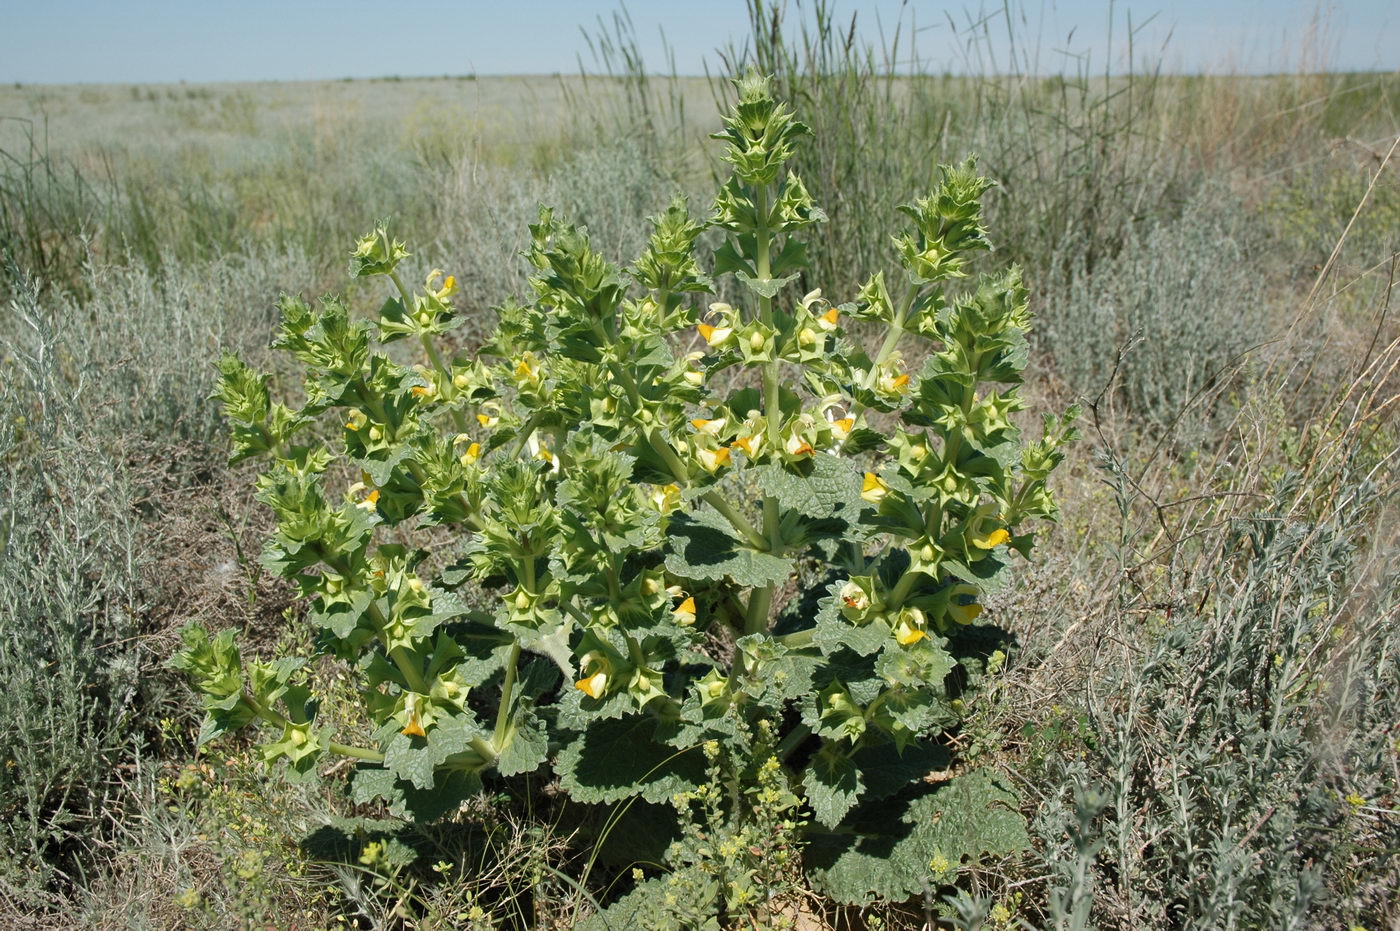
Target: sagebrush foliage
[{"x": 591, "y": 469}]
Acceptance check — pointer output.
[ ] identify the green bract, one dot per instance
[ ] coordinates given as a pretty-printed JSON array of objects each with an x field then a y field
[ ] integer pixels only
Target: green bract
[{"x": 636, "y": 478}]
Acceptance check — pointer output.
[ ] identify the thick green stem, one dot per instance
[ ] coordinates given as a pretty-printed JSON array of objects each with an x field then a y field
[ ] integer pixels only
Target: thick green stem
[
  {"x": 761, "y": 599},
  {"x": 756, "y": 617},
  {"x": 798, "y": 638},
  {"x": 737, "y": 519},
  {"x": 503, "y": 715},
  {"x": 903, "y": 587},
  {"x": 359, "y": 753},
  {"x": 714, "y": 499},
  {"x": 901, "y": 314},
  {"x": 275, "y": 718},
  {"x": 525, "y": 430},
  {"x": 792, "y": 741}
]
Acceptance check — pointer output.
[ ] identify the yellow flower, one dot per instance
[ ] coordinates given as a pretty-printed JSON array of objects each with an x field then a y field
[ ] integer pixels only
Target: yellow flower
[
  {"x": 963, "y": 613},
  {"x": 545, "y": 455},
  {"x": 712, "y": 427},
  {"x": 797, "y": 446},
  {"x": 448, "y": 288},
  {"x": 987, "y": 541},
  {"x": 829, "y": 320},
  {"x": 527, "y": 370},
  {"x": 472, "y": 454},
  {"x": 371, "y": 501},
  {"x": 910, "y": 628},
  {"x": 715, "y": 336},
  {"x": 890, "y": 383},
  {"x": 666, "y": 498},
  {"x": 685, "y": 612},
  {"x": 712, "y": 459},
  {"x": 874, "y": 489},
  {"x": 841, "y": 427},
  {"x": 355, "y": 420},
  {"x": 854, "y": 597},
  {"x": 419, "y": 391},
  {"x": 414, "y": 728},
  {"x": 593, "y": 686},
  {"x": 749, "y": 444}
]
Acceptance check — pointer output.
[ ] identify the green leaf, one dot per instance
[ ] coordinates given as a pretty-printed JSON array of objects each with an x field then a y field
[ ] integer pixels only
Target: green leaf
[
  {"x": 703, "y": 546},
  {"x": 885, "y": 852},
  {"x": 527, "y": 748},
  {"x": 834, "y": 633},
  {"x": 764, "y": 287},
  {"x": 833, "y": 785},
  {"x": 616, "y": 759},
  {"x": 417, "y": 758},
  {"x": 370, "y": 784},
  {"x": 827, "y": 486},
  {"x": 886, "y": 771}
]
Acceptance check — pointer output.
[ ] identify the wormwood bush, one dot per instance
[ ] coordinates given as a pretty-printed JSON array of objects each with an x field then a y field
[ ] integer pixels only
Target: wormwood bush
[
  {"x": 588, "y": 471},
  {"x": 70, "y": 594},
  {"x": 1162, "y": 298}
]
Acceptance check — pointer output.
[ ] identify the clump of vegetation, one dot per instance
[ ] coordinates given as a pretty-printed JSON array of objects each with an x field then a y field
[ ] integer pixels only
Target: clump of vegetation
[{"x": 591, "y": 477}]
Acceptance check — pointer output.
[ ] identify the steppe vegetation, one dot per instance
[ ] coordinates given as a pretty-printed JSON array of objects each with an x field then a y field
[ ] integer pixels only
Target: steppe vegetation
[{"x": 1198, "y": 708}]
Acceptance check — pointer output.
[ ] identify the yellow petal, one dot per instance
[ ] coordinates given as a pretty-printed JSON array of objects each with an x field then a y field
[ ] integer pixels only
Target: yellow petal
[
  {"x": 874, "y": 489},
  {"x": 414, "y": 728},
  {"x": 687, "y": 607},
  {"x": 593, "y": 686},
  {"x": 797, "y": 446},
  {"x": 991, "y": 540},
  {"x": 964, "y": 614},
  {"x": 830, "y": 317},
  {"x": 907, "y": 634}
]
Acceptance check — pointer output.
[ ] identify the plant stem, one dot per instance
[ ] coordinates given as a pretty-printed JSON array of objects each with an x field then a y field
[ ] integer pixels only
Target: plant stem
[
  {"x": 525, "y": 430},
  {"x": 761, "y": 600},
  {"x": 737, "y": 519},
  {"x": 798, "y": 638},
  {"x": 887, "y": 348},
  {"x": 359, "y": 753},
  {"x": 503, "y": 717},
  {"x": 792, "y": 741},
  {"x": 713, "y": 498},
  {"x": 275, "y": 718},
  {"x": 904, "y": 586},
  {"x": 756, "y": 617},
  {"x": 499, "y": 734}
]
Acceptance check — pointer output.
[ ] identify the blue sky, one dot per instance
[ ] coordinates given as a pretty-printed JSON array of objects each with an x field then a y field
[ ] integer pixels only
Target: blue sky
[{"x": 146, "y": 41}]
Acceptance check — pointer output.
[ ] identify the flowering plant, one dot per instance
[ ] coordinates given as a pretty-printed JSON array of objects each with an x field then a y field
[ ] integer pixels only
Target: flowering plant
[{"x": 593, "y": 469}]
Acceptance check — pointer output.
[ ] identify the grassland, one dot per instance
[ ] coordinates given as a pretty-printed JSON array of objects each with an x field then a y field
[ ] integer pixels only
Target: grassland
[{"x": 1201, "y": 715}]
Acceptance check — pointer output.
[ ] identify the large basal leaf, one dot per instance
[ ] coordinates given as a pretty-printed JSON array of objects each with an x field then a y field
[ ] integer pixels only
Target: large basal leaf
[
  {"x": 703, "y": 547},
  {"x": 371, "y": 784},
  {"x": 616, "y": 759},
  {"x": 886, "y": 771},
  {"x": 885, "y": 851}
]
